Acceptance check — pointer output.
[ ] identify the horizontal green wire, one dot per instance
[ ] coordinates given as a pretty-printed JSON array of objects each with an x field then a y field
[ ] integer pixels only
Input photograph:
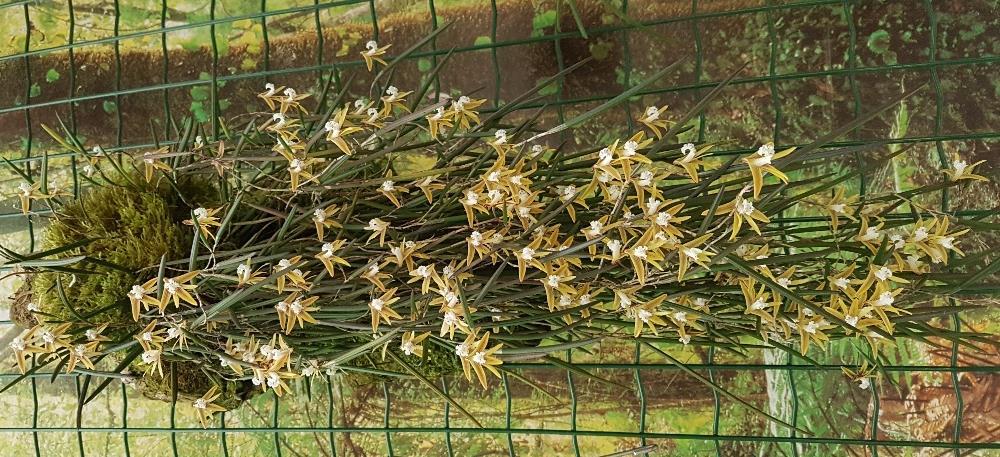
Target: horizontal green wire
[{"x": 520, "y": 431}]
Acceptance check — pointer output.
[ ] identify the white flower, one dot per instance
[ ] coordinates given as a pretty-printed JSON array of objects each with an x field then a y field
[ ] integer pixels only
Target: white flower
[
  {"x": 745, "y": 207},
  {"x": 897, "y": 241},
  {"x": 25, "y": 189},
  {"x": 686, "y": 339},
  {"x": 615, "y": 246},
  {"x": 652, "y": 113},
  {"x": 947, "y": 242},
  {"x": 88, "y": 170},
  {"x": 479, "y": 358},
  {"x": 838, "y": 208},
  {"x": 150, "y": 356},
  {"x": 871, "y": 233},
  {"x": 515, "y": 179},
  {"x": 376, "y": 304},
  {"x": 281, "y": 306},
  {"x": 527, "y": 253},
  {"x": 273, "y": 380},
  {"x": 596, "y": 227},
  {"x": 652, "y": 205},
  {"x": 913, "y": 262},
  {"x": 388, "y": 186},
  {"x": 91, "y": 334},
  {"x": 536, "y": 150},
  {"x": 438, "y": 114},
  {"x": 885, "y": 299},
  {"x": 584, "y": 299},
  {"x": 333, "y": 127},
  {"x": 199, "y": 141},
  {"x": 33, "y": 307},
  {"x": 296, "y": 306},
  {"x": 883, "y": 273},
  {"x": 605, "y": 155},
  {"x": 462, "y": 350},
  {"x": 372, "y": 114},
  {"x": 693, "y": 253},
  {"x": 310, "y": 370},
  {"x": 392, "y": 92},
  {"x": 811, "y": 327},
  {"x": 852, "y": 320},
  {"x": 408, "y": 348},
  {"x": 17, "y": 344},
  {"x": 842, "y": 282},
  {"x": 459, "y": 105},
  {"x": 784, "y": 282},
  {"x": 646, "y": 178},
  {"x": 680, "y": 316},
  {"x": 568, "y": 192},
  {"x": 448, "y": 271},
  {"x": 605, "y": 177},
  {"x": 553, "y": 280},
  {"x": 759, "y": 304},
  {"x": 644, "y": 315},
  {"x": 629, "y": 148},
  {"x": 564, "y": 300},
  {"x": 290, "y": 93},
  {"x": 471, "y": 198},
  {"x": 766, "y": 151},
  {"x": 689, "y": 151},
  {"x": 296, "y": 166},
  {"x": 171, "y": 286},
  {"x": 864, "y": 383},
  {"x": 959, "y": 166},
  {"x": 501, "y": 136},
  {"x": 640, "y": 252},
  {"x": 624, "y": 300},
  {"x": 376, "y": 224},
  {"x": 371, "y": 46},
  {"x": 279, "y": 120},
  {"x": 423, "y": 271},
  {"x": 200, "y": 403},
  {"x": 200, "y": 213},
  {"x": 270, "y": 89},
  {"x": 920, "y": 234}
]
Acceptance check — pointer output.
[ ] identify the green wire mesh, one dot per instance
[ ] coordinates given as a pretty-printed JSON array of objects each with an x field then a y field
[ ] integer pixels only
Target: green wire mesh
[{"x": 662, "y": 405}]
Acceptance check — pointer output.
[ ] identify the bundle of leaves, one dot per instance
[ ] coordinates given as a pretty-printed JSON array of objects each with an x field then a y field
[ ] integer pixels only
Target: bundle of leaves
[{"x": 327, "y": 253}]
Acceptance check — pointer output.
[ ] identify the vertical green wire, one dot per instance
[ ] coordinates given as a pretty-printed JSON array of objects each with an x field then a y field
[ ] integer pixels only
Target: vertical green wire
[
  {"x": 508, "y": 414},
  {"x": 34, "y": 414},
  {"x": 128, "y": 451},
  {"x": 573, "y": 403},
  {"x": 173, "y": 410},
  {"x": 27, "y": 115},
  {"x": 699, "y": 56},
  {"x": 263, "y": 31},
  {"x": 627, "y": 69},
  {"x": 275, "y": 409},
  {"x": 852, "y": 64},
  {"x": 168, "y": 120},
  {"x": 942, "y": 157},
  {"x": 447, "y": 418},
  {"x": 79, "y": 414},
  {"x": 329, "y": 415},
  {"x": 374, "y": 16},
  {"x": 385, "y": 418},
  {"x": 215, "y": 72},
  {"x": 641, "y": 391},
  {"x": 434, "y": 55},
  {"x": 717, "y": 406},
  {"x": 119, "y": 124},
  {"x": 493, "y": 54}
]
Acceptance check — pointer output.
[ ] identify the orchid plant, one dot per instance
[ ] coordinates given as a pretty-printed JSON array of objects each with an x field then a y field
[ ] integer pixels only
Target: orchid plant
[{"x": 322, "y": 247}]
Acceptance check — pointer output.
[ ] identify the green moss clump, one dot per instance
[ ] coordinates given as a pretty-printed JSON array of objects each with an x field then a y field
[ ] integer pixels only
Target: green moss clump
[
  {"x": 192, "y": 383},
  {"x": 129, "y": 227}
]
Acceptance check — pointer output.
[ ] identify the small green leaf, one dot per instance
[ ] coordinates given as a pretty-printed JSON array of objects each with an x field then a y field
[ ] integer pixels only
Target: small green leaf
[
  {"x": 549, "y": 89},
  {"x": 110, "y": 107},
  {"x": 424, "y": 65},
  {"x": 200, "y": 93},
  {"x": 544, "y": 19},
  {"x": 52, "y": 75},
  {"x": 878, "y": 41},
  {"x": 35, "y": 90},
  {"x": 482, "y": 40}
]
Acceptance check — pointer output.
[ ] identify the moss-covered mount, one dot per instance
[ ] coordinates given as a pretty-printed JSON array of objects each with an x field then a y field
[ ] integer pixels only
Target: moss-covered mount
[
  {"x": 192, "y": 382},
  {"x": 127, "y": 229}
]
